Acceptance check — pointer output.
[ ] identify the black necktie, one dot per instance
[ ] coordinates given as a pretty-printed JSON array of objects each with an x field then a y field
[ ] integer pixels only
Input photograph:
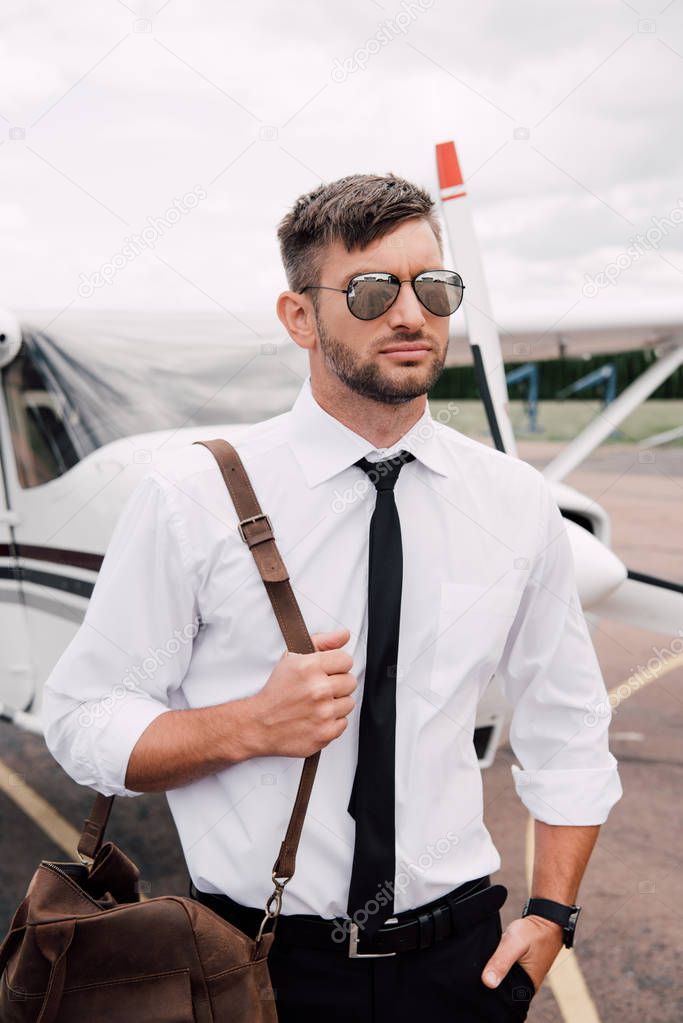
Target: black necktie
[{"x": 372, "y": 796}]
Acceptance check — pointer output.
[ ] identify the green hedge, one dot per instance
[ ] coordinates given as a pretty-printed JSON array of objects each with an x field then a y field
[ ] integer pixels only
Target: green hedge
[{"x": 554, "y": 374}]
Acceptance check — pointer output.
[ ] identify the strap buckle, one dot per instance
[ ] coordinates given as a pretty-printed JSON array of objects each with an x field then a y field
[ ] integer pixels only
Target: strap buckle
[
  {"x": 353, "y": 946},
  {"x": 254, "y": 518},
  {"x": 275, "y": 898}
]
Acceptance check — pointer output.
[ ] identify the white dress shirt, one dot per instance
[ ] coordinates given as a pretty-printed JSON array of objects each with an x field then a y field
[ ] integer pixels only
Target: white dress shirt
[{"x": 179, "y": 617}]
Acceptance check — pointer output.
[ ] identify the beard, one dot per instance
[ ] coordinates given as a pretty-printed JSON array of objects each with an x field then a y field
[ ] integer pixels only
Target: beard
[{"x": 367, "y": 378}]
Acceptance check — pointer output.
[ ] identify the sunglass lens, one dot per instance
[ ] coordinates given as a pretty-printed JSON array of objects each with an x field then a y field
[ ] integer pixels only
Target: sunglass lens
[
  {"x": 370, "y": 295},
  {"x": 440, "y": 291}
]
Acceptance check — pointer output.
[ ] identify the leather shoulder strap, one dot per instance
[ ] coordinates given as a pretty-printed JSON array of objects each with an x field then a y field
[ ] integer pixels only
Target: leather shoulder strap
[
  {"x": 256, "y": 531},
  {"x": 94, "y": 826}
]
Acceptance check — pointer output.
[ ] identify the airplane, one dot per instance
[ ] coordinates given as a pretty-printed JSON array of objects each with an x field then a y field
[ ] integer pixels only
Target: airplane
[{"x": 86, "y": 404}]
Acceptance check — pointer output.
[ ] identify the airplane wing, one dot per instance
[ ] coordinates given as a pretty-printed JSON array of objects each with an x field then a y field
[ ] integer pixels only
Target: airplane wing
[{"x": 526, "y": 344}]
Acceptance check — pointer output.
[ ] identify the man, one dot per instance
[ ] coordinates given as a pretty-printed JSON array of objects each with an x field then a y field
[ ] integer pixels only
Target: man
[{"x": 424, "y": 563}]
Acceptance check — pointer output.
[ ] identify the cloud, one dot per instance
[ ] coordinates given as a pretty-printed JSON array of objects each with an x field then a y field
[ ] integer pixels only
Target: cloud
[{"x": 125, "y": 107}]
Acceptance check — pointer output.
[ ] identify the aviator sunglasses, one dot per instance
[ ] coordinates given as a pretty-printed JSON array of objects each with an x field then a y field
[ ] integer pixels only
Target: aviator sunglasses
[{"x": 368, "y": 295}]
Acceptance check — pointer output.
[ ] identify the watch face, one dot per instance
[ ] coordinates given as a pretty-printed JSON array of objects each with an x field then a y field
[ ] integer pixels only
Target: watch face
[
  {"x": 571, "y": 927},
  {"x": 573, "y": 917}
]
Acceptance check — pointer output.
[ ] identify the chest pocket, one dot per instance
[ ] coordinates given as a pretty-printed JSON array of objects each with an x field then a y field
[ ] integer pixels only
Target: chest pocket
[{"x": 472, "y": 625}]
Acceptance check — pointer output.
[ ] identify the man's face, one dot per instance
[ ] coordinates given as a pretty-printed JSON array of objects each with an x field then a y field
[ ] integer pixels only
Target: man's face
[{"x": 353, "y": 349}]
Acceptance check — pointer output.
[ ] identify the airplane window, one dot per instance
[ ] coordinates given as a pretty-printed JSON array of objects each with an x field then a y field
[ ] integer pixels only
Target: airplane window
[{"x": 40, "y": 431}]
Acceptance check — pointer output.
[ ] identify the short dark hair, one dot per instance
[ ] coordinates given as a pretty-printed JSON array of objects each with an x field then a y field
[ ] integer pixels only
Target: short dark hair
[{"x": 354, "y": 210}]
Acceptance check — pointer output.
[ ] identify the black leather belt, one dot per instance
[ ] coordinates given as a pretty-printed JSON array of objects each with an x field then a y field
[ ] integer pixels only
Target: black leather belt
[{"x": 456, "y": 912}]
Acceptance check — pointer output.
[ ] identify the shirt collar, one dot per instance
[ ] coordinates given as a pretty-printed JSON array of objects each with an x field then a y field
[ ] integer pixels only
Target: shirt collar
[{"x": 324, "y": 446}]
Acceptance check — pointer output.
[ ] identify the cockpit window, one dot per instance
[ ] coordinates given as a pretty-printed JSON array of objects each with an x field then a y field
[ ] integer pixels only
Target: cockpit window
[
  {"x": 42, "y": 437},
  {"x": 73, "y": 389}
]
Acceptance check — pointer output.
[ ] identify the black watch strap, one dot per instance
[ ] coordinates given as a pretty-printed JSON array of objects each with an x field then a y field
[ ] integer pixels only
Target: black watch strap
[{"x": 558, "y": 912}]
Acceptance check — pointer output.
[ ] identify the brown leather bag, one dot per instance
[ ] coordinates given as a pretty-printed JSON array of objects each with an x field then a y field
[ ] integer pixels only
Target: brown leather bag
[{"x": 82, "y": 946}]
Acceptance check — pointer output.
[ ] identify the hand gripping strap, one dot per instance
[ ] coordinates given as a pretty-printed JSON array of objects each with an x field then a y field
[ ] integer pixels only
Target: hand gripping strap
[{"x": 256, "y": 532}]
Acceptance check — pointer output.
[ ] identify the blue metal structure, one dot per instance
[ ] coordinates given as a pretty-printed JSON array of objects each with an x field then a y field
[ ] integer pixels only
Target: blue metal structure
[
  {"x": 528, "y": 372},
  {"x": 606, "y": 374}
]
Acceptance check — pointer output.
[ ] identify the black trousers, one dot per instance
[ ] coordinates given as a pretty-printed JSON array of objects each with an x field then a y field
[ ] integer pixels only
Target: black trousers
[{"x": 439, "y": 984}]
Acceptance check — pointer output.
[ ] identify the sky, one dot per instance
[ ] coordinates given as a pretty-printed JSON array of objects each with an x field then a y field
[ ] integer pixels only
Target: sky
[{"x": 201, "y": 123}]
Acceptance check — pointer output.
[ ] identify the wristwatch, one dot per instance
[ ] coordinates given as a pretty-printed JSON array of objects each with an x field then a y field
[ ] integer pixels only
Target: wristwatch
[{"x": 566, "y": 916}]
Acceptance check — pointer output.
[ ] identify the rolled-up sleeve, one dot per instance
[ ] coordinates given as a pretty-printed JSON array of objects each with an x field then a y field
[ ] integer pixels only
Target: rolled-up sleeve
[
  {"x": 133, "y": 647},
  {"x": 550, "y": 674}
]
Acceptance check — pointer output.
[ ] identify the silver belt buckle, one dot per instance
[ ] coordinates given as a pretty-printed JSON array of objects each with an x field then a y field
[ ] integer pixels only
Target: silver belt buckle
[{"x": 353, "y": 945}]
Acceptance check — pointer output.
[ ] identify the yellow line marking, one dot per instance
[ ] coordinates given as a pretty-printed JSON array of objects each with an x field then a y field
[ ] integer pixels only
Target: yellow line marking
[
  {"x": 639, "y": 679},
  {"x": 42, "y": 813},
  {"x": 565, "y": 979},
  {"x": 39, "y": 810}
]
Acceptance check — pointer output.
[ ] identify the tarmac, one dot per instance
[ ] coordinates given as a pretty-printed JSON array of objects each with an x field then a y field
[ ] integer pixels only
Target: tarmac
[{"x": 626, "y": 963}]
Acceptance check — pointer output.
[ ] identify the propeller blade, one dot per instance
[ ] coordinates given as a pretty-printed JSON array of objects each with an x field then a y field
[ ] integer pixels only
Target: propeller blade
[{"x": 481, "y": 327}]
